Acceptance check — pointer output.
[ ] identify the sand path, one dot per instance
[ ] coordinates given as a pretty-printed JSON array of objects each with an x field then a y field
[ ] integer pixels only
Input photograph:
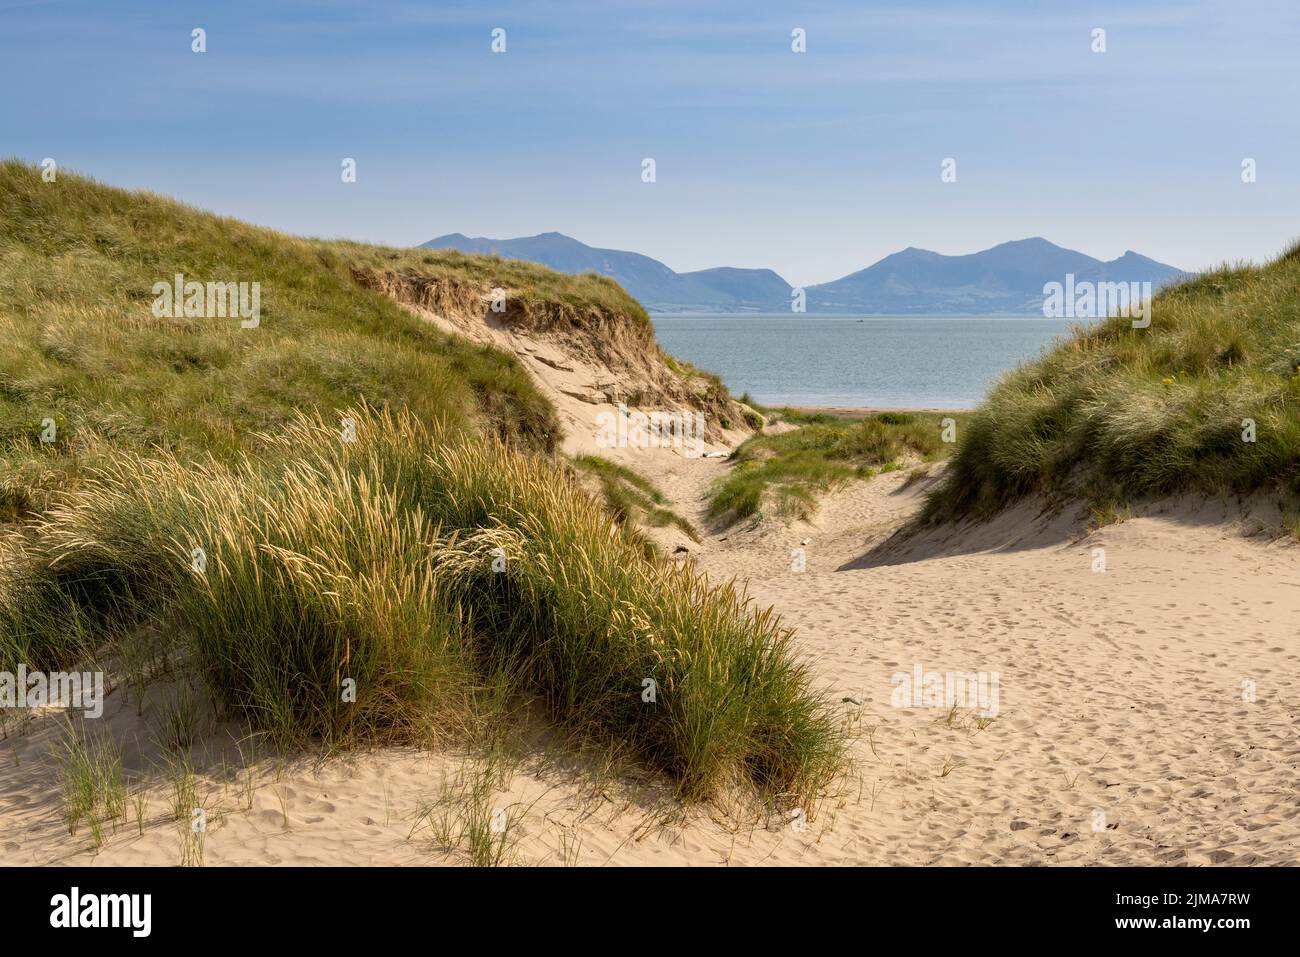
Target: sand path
[{"x": 1124, "y": 732}]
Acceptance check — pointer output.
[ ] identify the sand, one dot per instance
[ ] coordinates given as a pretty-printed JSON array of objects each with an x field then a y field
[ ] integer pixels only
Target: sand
[
  {"x": 1121, "y": 734},
  {"x": 1147, "y": 713}
]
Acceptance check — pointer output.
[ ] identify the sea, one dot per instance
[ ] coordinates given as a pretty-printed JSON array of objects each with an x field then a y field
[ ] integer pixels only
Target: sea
[{"x": 870, "y": 362}]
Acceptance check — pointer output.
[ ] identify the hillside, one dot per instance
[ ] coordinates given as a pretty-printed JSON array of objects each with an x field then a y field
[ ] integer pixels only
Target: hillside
[
  {"x": 1205, "y": 399},
  {"x": 78, "y": 263},
  {"x": 243, "y": 515}
]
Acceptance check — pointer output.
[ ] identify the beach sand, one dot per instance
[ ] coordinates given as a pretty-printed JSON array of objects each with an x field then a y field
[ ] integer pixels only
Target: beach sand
[
  {"x": 1147, "y": 713},
  {"x": 1126, "y": 730}
]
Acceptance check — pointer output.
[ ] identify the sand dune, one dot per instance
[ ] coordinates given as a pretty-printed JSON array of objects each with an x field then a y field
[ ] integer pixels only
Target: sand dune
[
  {"x": 1124, "y": 731},
  {"x": 1147, "y": 713}
]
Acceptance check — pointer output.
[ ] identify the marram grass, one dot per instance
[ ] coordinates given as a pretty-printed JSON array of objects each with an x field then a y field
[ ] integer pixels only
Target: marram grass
[
  {"x": 83, "y": 349},
  {"x": 785, "y": 472},
  {"x": 1206, "y": 399},
  {"x": 422, "y": 570}
]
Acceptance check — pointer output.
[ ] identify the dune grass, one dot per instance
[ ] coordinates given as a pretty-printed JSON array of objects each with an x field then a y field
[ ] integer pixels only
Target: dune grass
[
  {"x": 1116, "y": 412},
  {"x": 785, "y": 472},
  {"x": 238, "y": 508},
  {"x": 93, "y": 782},
  {"x": 632, "y": 498},
  {"x": 83, "y": 350},
  {"x": 524, "y": 280},
  {"x": 418, "y": 569}
]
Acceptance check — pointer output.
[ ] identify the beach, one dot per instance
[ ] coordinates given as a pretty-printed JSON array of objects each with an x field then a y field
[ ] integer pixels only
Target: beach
[{"x": 1144, "y": 714}]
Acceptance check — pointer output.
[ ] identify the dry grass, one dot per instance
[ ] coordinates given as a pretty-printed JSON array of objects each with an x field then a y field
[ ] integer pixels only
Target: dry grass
[
  {"x": 420, "y": 583},
  {"x": 427, "y": 571},
  {"x": 1117, "y": 412}
]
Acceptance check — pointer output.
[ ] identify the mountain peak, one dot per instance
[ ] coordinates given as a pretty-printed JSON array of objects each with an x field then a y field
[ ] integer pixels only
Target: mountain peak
[
  {"x": 1003, "y": 280},
  {"x": 1030, "y": 242}
]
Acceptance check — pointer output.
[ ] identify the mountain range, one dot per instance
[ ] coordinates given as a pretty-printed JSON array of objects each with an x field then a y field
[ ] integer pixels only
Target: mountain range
[{"x": 1007, "y": 279}]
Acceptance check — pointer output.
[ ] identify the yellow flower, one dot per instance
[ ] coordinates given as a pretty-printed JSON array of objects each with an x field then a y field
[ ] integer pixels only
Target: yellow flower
[{"x": 1167, "y": 381}]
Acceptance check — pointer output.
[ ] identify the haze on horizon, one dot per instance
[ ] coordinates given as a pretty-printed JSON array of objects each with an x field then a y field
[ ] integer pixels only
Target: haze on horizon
[{"x": 814, "y": 164}]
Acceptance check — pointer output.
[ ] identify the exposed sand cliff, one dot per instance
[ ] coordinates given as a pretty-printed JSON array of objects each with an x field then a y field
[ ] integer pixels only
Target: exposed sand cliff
[{"x": 588, "y": 360}]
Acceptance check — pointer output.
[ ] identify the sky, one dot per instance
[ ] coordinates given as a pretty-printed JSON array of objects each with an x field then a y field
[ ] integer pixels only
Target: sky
[{"x": 814, "y": 164}]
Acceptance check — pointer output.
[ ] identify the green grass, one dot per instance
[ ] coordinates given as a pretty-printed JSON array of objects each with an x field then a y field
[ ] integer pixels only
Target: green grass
[
  {"x": 785, "y": 473},
  {"x": 445, "y": 564},
  {"x": 373, "y": 561},
  {"x": 1115, "y": 413},
  {"x": 78, "y": 261},
  {"x": 631, "y": 498},
  {"x": 784, "y": 413},
  {"x": 463, "y": 817},
  {"x": 94, "y": 788}
]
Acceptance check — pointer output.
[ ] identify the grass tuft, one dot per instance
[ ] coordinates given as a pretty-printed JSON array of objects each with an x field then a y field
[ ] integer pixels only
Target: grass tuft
[
  {"x": 786, "y": 472},
  {"x": 368, "y": 590},
  {"x": 1116, "y": 413},
  {"x": 631, "y": 498}
]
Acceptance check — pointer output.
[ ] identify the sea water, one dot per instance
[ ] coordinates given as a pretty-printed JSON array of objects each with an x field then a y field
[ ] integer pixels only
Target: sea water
[{"x": 873, "y": 362}]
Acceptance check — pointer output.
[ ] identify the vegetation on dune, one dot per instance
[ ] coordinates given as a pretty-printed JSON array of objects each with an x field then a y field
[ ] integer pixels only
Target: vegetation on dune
[
  {"x": 631, "y": 497},
  {"x": 786, "y": 471},
  {"x": 78, "y": 262},
  {"x": 426, "y": 569},
  {"x": 1207, "y": 398},
  {"x": 345, "y": 498},
  {"x": 525, "y": 281}
]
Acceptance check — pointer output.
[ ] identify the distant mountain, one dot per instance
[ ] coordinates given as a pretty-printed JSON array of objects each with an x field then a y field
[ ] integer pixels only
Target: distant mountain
[
  {"x": 1007, "y": 279},
  {"x": 656, "y": 286}
]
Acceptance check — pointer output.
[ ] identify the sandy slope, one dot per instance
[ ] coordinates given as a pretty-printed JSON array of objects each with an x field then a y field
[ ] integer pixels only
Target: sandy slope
[
  {"x": 1120, "y": 694},
  {"x": 1121, "y": 734}
]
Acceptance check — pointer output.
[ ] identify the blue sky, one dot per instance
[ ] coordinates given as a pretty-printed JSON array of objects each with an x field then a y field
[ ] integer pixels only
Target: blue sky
[{"x": 813, "y": 164}]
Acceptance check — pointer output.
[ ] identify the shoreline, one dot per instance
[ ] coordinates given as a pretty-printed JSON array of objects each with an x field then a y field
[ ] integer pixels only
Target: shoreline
[{"x": 861, "y": 412}]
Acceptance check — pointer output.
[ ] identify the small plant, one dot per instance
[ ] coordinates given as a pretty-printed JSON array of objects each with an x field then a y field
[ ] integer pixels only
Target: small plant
[
  {"x": 283, "y": 799},
  {"x": 140, "y": 801},
  {"x": 1291, "y": 522},
  {"x": 952, "y": 719},
  {"x": 94, "y": 786},
  {"x": 1107, "y": 512},
  {"x": 570, "y": 846},
  {"x": 14, "y": 721},
  {"x": 192, "y": 842},
  {"x": 184, "y": 788},
  {"x": 464, "y": 818},
  {"x": 179, "y": 720}
]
